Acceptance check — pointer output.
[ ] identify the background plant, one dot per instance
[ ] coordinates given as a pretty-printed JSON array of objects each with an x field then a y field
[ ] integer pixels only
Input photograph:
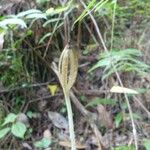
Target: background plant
[{"x": 34, "y": 35}]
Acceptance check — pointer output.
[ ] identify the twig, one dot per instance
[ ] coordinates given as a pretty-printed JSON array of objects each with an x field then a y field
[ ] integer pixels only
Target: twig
[
  {"x": 144, "y": 108},
  {"x": 50, "y": 39},
  {"x": 38, "y": 99},
  {"x": 19, "y": 88},
  {"x": 89, "y": 118}
]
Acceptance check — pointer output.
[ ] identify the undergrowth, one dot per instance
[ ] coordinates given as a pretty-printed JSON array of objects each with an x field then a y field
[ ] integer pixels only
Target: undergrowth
[{"x": 107, "y": 35}]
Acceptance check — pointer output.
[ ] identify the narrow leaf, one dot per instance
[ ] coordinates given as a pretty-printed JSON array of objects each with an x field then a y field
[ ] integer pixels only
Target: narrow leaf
[
  {"x": 36, "y": 16},
  {"x": 12, "y": 21},
  {"x": 118, "y": 89},
  {"x": 102, "y": 101},
  {"x": 31, "y": 11},
  {"x": 118, "y": 119}
]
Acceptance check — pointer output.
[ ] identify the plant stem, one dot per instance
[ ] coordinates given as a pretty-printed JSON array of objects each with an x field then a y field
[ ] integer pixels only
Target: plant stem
[{"x": 70, "y": 119}]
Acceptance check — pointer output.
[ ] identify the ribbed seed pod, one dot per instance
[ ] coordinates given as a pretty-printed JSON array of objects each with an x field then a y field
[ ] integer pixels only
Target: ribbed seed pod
[
  {"x": 73, "y": 68},
  {"x": 68, "y": 65},
  {"x": 67, "y": 72},
  {"x": 63, "y": 70}
]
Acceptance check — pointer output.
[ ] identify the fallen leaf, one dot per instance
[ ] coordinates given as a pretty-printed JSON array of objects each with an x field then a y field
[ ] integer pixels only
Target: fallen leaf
[
  {"x": 47, "y": 134},
  {"x": 58, "y": 120},
  {"x": 23, "y": 118},
  {"x": 43, "y": 143},
  {"x": 53, "y": 89},
  {"x": 68, "y": 144},
  {"x": 104, "y": 117},
  {"x": 119, "y": 89},
  {"x": 27, "y": 146}
]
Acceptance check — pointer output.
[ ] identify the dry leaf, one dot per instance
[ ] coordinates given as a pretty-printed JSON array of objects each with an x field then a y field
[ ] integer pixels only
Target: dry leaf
[
  {"x": 23, "y": 118},
  {"x": 26, "y": 146},
  {"x": 58, "y": 120},
  {"x": 53, "y": 89},
  {"x": 119, "y": 89},
  {"x": 68, "y": 144},
  {"x": 47, "y": 134},
  {"x": 104, "y": 117}
]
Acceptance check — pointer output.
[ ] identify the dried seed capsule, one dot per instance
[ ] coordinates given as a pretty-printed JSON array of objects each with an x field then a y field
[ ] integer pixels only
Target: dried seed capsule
[{"x": 68, "y": 65}]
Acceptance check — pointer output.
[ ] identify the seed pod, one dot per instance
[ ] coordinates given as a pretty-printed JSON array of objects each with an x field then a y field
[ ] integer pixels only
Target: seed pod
[{"x": 68, "y": 65}]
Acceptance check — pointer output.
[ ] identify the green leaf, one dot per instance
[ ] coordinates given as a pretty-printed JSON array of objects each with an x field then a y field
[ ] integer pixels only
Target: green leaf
[
  {"x": 51, "y": 20},
  {"x": 118, "y": 119},
  {"x": 28, "y": 12},
  {"x": 44, "y": 37},
  {"x": 86, "y": 10},
  {"x": 66, "y": 9},
  {"x": 100, "y": 5},
  {"x": 52, "y": 11},
  {"x": 3, "y": 132},
  {"x": 12, "y": 21},
  {"x": 102, "y": 101},
  {"x": 125, "y": 147},
  {"x": 137, "y": 116},
  {"x": 30, "y": 114},
  {"x": 18, "y": 129},
  {"x": 147, "y": 144},
  {"x": 44, "y": 143},
  {"x": 123, "y": 60},
  {"x": 41, "y": 1},
  {"x": 36, "y": 16},
  {"x": 142, "y": 90},
  {"x": 9, "y": 119}
]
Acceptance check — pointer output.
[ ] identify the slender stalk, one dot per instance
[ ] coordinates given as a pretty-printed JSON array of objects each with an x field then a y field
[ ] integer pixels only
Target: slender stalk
[
  {"x": 67, "y": 72},
  {"x": 70, "y": 119},
  {"x": 113, "y": 24}
]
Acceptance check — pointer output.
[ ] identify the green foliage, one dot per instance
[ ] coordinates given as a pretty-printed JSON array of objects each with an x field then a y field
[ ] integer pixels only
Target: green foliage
[
  {"x": 17, "y": 128},
  {"x": 102, "y": 101},
  {"x": 86, "y": 10},
  {"x": 123, "y": 61},
  {"x": 124, "y": 148},
  {"x": 12, "y": 21},
  {"x": 147, "y": 144},
  {"x": 10, "y": 118},
  {"x": 2, "y": 112},
  {"x": 32, "y": 14},
  {"x": 21, "y": 18},
  {"x": 12, "y": 68},
  {"x": 3, "y": 132},
  {"x": 11, "y": 61},
  {"x": 30, "y": 114},
  {"x": 43, "y": 143},
  {"x": 118, "y": 119},
  {"x": 100, "y": 8}
]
